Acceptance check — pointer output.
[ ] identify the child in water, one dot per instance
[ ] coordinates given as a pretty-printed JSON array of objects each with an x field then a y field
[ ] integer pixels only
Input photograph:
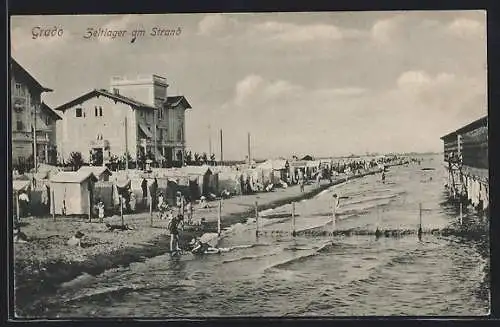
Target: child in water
[{"x": 199, "y": 247}]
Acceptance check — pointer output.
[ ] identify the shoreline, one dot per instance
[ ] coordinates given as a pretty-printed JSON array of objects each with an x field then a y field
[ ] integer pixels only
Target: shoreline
[{"x": 44, "y": 275}]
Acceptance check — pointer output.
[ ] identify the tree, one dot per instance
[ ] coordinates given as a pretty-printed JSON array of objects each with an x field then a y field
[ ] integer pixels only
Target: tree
[
  {"x": 113, "y": 162},
  {"x": 196, "y": 159},
  {"x": 75, "y": 160},
  {"x": 96, "y": 158},
  {"x": 188, "y": 158},
  {"x": 122, "y": 161},
  {"x": 212, "y": 159},
  {"x": 204, "y": 158}
]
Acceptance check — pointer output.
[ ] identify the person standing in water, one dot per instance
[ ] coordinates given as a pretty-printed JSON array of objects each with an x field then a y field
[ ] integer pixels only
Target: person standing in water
[
  {"x": 335, "y": 206},
  {"x": 173, "y": 228},
  {"x": 383, "y": 177}
]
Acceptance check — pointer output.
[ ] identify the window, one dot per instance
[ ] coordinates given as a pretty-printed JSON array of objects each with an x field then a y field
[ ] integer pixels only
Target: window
[
  {"x": 19, "y": 89},
  {"x": 78, "y": 112},
  {"x": 179, "y": 134},
  {"x": 100, "y": 111},
  {"x": 19, "y": 125},
  {"x": 47, "y": 120},
  {"x": 96, "y": 111}
]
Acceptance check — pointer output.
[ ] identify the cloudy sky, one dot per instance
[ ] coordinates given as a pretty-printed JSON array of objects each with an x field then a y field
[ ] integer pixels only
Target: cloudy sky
[{"x": 300, "y": 83}]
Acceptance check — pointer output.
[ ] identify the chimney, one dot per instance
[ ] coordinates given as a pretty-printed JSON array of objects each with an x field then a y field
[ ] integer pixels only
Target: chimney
[{"x": 116, "y": 91}]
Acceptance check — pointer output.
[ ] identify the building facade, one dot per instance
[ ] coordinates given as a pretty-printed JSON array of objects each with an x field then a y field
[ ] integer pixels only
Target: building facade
[
  {"x": 466, "y": 161},
  {"x": 168, "y": 138},
  {"x": 29, "y": 113},
  {"x": 154, "y": 122}
]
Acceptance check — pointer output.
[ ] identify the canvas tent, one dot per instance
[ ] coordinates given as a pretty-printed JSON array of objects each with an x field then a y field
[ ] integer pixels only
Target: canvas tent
[
  {"x": 101, "y": 173},
  {"x": 231, "y": 182},
  {"x": 19, "y": 185},
  {"x": 72, "y": 193},
  {"x": 200, "y": 180}
]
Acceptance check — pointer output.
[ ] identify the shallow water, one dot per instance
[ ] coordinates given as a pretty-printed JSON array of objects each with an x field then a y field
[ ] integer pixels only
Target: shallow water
[{"x": 310, "y": 276}]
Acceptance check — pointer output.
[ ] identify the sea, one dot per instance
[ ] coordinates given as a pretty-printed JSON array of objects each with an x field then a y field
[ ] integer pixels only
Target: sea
[{"x": 278, "y": 275}]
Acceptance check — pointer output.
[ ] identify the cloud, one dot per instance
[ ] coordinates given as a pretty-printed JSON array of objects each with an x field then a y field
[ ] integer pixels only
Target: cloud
[
  {"x": 253, "y": 90},
  {"x": 216, "y": 24},
  {"x": 288, "y": 32},
  {"x": 444, "y": 98},
  {"x": 246, "y": 88},
  {"x": 119, "y": 23},
  {"x": 467, "y": 28},
  {"x": 383, "y": 31},
  {"x": 348, "y": 91}
]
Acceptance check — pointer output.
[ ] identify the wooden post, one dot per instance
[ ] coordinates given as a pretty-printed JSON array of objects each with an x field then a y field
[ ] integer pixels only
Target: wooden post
[
  {"x": 420, "y": 215},
  {"x": 249, "y": 158},
  {"x": 334, "y": 214},
  {"x": 420, "y": 221},
  {"x": 182, "y": 206},
  {"x": 219, "y": 217},
  {"x": 221, "y": 150},
  {"x": 209, "y": 140},
  {"x": 90, "y": 205},
  {"x": 53, "y": 205},
  {"x": 461, "y": 213},
  {"x": 293, "y": 219},
  {"x": 126, "y": 146},
  {"x": 35, "y": 150},
  {"x": 257, "y": 218},
  {"x": 17, "y": 207},
  {"x": 121, "y": 210},
  {"x": 151, "y": 209}
]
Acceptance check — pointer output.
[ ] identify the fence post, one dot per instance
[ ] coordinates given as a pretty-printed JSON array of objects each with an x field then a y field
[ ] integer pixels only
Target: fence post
[
  {"x": 257, "y": 218},
  {"x": 17, "y": 207},
  {"x": 53, "y": 205},
  {"x": 293, "y": 219},
  {"x": 219, "y": 214},
  {"x": 334, "y": 215},
  {"x": 121, "y": 210},
  {"x": 461, "y": 213},
  {"x": 90, "y": 208},
  {"x": 420, "y": 221},
  {"x": 151, "y": 209}
]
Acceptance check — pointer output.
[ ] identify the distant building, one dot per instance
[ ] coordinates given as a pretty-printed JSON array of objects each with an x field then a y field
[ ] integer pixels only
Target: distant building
[
  {"x": 26, "y": 94},
  {"x": 95, "y": 121}
]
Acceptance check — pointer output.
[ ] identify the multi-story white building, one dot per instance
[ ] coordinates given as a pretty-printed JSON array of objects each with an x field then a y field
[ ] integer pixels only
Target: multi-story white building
[
  {"x": 29, "y": 113},
  {"x": 155, "y": 123}
]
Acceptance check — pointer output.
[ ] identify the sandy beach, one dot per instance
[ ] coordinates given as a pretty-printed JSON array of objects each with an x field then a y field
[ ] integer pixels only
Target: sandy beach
[{"x": 46, "y": 261}]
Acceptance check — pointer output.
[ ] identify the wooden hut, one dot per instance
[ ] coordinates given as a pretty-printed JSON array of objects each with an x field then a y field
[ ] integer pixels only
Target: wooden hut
[
  {"x": 18, "y": 186},
  {"x": 72, "y": 193},
  {"x": 101, "y": 173},
  {"x": 199, "y": 177}
]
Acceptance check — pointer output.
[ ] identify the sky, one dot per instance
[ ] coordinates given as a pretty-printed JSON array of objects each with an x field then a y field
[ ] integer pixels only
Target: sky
[{"x": 321, "y": 83}]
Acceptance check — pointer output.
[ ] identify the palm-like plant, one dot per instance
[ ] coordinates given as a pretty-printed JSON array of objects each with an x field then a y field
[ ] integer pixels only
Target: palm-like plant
[{"x": 76, "y": 160}]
